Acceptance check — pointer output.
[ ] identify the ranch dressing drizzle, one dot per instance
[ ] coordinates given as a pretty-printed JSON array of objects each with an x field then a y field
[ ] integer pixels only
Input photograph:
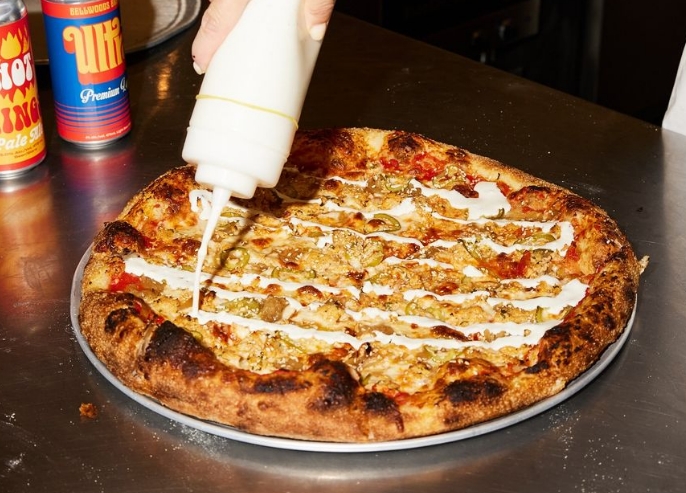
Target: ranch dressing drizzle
[
  {"x": 471, "y": 271},
  {"x": 560, "y": 244},
  {"x": 484, "y": 209},
  {"x": 212, "y": 221},
  {"x": 357, "y": 183},
  {"x": 517, "y": 334},
  {"x": 210, "y": 210},
  {"x": 180, "y": 279},
  {"x": 406, "y": 207},
  {"x": 387, "y": 236},
  {"x": 490, "y": 203},
  {"x": 205, "y": 199},
  {"x": 532, "y": 283},
  {"x": 571, "y": 294}
]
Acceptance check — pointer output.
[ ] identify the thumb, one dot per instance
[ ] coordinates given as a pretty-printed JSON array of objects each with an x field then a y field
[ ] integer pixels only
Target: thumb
[{"x": 317, "y": 15}]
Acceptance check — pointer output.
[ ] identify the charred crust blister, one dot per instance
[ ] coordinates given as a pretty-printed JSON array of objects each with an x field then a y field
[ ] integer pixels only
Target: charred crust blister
[
  {"x": 116, "y": 319},
  {"x": 574, "y": 203},
  {"x": 173, "y": 346},
  {"x": 122, "y": 310},
  {"x": 172, "y": 196},
  {"x": 538, "y": 367},
  {"x": 337, "y": 386},
  {"x": 119, "y": 238},
  {"x": 476, "y": 390},
  {"x": 378, "y": 404},
  {"x": 403, "y": 145},
  {"x": 280, "y": 384},
  {"x": 456, "y": 154}
]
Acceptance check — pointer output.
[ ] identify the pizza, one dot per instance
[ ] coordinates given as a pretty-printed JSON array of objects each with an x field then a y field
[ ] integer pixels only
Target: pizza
[{"x": 390, "y": 286}]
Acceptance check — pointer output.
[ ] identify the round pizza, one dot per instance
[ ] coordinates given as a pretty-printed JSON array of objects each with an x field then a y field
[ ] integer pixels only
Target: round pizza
[{"x": 388, "y": 287}]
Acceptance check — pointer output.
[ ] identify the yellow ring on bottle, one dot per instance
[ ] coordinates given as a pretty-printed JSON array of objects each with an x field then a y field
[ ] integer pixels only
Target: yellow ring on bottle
[{"x": 251, "y": 106}]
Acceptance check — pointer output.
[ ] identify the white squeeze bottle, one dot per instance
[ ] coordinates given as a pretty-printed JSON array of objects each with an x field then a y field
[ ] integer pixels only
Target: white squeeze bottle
[{"x": 246, "y": 114}]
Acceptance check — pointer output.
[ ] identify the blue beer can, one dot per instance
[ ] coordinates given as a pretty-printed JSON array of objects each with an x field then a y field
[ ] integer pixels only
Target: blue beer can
[{"x": 88, "y": 70}]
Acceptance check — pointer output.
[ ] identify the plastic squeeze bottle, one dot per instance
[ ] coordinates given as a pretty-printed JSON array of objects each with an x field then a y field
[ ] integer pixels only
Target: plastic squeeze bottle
[{"x": 246, "y": 114}]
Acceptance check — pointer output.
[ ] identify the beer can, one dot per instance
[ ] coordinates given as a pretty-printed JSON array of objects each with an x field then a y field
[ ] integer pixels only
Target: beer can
[
  {"x": 88, "y": 70},
  {"x": 22, "y": 144}
]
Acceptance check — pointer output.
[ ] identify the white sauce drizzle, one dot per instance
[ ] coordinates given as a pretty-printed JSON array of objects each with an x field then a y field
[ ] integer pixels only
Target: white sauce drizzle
[
  {"x": 481, "y": 210},
  {"x": 212, "y": 220},
  {"x": 405, "y": 208},
  {"x": 179, "y": 279},
  {"x": 414, "y": 294},
  {"x": 490, "y": 203},
  {"x": 571, "y": 294},
  {"x": 205, "y": 198},
  {"x": 516, "y": 334},
  {"x": 471, "y": 271},
  {"x": 386, "y": 236}
]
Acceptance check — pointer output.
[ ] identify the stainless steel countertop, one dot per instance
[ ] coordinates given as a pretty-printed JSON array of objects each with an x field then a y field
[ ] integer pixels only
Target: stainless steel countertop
[{"x": 626, "y": 432}]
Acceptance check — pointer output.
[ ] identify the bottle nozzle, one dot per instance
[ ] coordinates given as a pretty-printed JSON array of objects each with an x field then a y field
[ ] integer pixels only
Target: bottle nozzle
[{"x": 220, "y": 197}]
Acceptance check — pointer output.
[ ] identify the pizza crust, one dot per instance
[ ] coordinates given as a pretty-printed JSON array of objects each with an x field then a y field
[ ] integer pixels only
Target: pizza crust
[{"x": 325, "y": 398}]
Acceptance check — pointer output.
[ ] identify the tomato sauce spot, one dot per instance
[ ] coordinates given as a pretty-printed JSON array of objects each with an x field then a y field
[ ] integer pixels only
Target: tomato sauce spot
[{"x": 124, "y": 280}]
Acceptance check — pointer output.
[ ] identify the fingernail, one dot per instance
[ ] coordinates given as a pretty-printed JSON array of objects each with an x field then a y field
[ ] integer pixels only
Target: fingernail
[
  {"x": 197, "y": 69},
  {"x": 317, "y": 31}
]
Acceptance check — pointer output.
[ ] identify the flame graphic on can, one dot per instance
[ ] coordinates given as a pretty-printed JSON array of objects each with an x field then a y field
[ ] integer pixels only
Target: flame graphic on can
[{"x": 22, "y": 144}]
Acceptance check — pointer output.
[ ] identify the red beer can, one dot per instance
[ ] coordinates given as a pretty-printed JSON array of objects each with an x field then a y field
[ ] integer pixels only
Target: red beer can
[
  {"x": 88, "y": 70},
  {"x": 22, "y": 144}
]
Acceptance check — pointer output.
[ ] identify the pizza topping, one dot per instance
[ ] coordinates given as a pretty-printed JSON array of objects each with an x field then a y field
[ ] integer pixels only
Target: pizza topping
[
  {"x": 388, "y": 292},
  {"x": 490, "y": 201},
  {"x": 273, "y": 309},
  {"x": 384, "y": 276},
  {"x": 124, "y": 280}
]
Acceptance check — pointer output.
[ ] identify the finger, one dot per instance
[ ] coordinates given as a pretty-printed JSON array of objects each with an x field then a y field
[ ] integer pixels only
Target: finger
[
  {"x": 317, "y": 15},
  {"x": 217, "y": 21}
]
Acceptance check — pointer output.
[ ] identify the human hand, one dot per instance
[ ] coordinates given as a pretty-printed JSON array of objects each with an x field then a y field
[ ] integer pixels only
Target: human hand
[{"x": 222, "y": 15}]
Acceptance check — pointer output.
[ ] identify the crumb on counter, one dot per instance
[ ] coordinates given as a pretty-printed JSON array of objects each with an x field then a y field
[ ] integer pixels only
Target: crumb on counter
[{"x": 88, "y": 410}]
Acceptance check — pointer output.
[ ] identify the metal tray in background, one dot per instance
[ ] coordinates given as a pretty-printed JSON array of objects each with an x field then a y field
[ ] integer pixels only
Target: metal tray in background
[{"x": 146, "y": 23}]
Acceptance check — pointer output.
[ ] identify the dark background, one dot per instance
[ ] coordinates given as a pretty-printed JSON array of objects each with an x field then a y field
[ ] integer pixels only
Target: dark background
[{"x": 621, "y": 54}]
